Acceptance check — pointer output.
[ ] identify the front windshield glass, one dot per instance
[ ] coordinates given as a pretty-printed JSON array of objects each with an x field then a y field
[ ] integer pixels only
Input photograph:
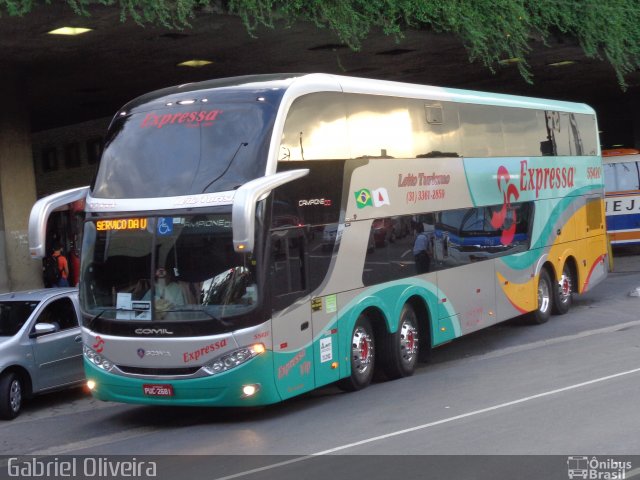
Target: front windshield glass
[
  {"x": 13, "y": 316},
  {"x": 176, "y": 268},
  {"x": 184, "y": 150}
]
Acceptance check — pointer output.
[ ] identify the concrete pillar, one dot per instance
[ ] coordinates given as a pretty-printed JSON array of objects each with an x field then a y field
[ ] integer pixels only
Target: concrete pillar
[{"x": 17, "y": 187}]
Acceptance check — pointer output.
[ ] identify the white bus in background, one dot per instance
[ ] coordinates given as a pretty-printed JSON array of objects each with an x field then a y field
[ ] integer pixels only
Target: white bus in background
[{"x": 622, "y": 201}]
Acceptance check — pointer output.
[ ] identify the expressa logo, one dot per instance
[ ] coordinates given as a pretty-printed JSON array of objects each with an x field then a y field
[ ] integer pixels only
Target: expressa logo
[
  {"x": 531, "y": 179},
  {"x": 509, "y": 193},
  {"x": 536, "y": 179},
  {"x": 191, "y": 119}
]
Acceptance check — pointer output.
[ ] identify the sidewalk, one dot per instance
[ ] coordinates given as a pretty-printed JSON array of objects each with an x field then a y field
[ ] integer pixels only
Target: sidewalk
[{"x": 626, "y": 260}]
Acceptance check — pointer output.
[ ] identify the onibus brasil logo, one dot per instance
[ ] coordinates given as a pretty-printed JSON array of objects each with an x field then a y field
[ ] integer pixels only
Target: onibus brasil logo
[
  {"x": 372, "y": 198},
  {"x": 596, "y": 468}
]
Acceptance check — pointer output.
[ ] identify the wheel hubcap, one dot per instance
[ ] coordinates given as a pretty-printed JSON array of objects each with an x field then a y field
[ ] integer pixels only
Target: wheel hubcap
[
  {"x": 15, "y": 395},
  {"x": 565, "y": 288},
  {"x": 362, "y": 350},
  {"x": 408, "y": 341},
  {"x": 543, "y": 296}
]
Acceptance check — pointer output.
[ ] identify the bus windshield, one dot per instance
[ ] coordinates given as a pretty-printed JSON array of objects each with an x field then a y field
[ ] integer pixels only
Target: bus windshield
[
  {"x": 177, "y": 268},
  {"x": 182, "y": 150}
]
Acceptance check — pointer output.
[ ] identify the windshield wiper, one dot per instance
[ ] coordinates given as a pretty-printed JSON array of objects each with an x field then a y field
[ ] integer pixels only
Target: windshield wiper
[
  {"x": 192, "y": 310},
  {"x": 242, "y": 144}
]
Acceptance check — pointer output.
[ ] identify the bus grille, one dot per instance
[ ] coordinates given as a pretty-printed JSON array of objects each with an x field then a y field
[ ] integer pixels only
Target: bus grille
[{"x": 159, "y": 371}]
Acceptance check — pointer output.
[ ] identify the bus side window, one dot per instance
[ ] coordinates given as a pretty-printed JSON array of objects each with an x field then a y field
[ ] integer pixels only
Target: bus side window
[{"x": 610, "y": 184}]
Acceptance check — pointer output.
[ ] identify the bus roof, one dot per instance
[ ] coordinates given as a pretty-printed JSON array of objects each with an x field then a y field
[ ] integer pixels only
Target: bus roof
[
  {"x": 300, "y": 84},
  {"x": 620, "y": 155}
]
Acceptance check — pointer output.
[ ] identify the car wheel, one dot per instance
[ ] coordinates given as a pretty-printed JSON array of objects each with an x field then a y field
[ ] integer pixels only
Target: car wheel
[
  {"x": 11, "y": 391},
  {"x": 401, "y": 349},
  {"x": 563, "y": 291},
  {"x": 363, "y": 355},
  {"x": 545, "y": 299}
]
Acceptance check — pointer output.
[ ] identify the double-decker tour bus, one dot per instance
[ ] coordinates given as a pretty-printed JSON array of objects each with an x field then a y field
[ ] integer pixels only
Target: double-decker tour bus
[
  {"x": 622, "y": 195},
  {"x": 253, "y": 238}
]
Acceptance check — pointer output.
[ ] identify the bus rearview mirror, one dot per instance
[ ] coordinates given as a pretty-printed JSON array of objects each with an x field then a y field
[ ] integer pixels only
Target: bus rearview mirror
[{"x": 243, "y": 213}]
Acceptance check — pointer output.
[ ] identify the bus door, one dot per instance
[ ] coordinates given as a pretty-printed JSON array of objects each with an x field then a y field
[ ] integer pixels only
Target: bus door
[{"x": 291, "y": 319}]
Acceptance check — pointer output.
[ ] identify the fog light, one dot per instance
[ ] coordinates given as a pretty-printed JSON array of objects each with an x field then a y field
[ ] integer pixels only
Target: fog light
[
  {"x": 250, "y": 390},
  {"x": 91, "y": 384}
]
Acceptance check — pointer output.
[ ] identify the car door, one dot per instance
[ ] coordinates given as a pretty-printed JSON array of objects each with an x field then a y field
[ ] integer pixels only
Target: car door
[{"x": 57, "y": 355}]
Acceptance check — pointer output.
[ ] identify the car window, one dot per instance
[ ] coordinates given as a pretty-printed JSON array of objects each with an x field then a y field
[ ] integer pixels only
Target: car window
[
  {"x": 13, "y": 315},
  {"x": 60, "y": 313}
]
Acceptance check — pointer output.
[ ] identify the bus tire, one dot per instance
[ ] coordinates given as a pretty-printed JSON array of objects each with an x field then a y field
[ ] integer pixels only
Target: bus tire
[
  {"x": 562, "y": 293},
  {"x": 11, "y": 394},
  {"x": 363, "y": 356},
  {"x": 545, "y": 299},
  {"x": 400, "y": 352}
]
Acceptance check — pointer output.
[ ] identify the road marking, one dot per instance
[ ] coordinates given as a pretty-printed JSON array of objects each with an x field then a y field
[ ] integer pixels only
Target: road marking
[
  {"x": 95, "y": 441},
  {"x": 552, "y": 341},
  {"x": 633, "y": 473},
  {"x": 431, "y": 424}
]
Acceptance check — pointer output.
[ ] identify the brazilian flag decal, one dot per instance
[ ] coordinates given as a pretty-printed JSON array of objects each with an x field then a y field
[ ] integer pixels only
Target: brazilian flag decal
[{"x": 363, "y": 198}]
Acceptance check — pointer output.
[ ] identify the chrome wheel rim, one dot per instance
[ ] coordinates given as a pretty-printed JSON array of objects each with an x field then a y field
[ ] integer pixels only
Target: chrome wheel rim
[
  {"x": 362, "y": 351},
  {"x": 408, "y": 342},
  {"x": 543, "y": 296},
  {"x": 565, "y": 287},
  {"x": 15, "y": 395}
]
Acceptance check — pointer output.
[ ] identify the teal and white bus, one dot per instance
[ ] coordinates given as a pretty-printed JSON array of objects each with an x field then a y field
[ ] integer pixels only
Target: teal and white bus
[{"x": 252, "y": 238}]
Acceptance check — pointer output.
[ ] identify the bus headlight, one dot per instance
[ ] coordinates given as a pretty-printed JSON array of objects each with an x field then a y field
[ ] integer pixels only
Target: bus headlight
[
  {"x": 233, "y": 359},
  {"x": 97, "y": 359}
]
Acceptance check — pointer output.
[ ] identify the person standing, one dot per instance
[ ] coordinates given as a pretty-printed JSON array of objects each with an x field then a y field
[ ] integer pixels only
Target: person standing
[{"x": 63, "y": 266}]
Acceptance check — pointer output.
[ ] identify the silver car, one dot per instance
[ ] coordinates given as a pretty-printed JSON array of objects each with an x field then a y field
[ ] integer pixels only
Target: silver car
[{"x": 40, "y": 345}]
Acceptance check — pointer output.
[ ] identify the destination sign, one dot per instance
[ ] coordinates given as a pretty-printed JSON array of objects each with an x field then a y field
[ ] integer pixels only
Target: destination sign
[{"x": 122, "y": 224}]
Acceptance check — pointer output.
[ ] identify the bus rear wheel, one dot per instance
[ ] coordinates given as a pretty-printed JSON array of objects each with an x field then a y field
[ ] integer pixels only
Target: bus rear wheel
[
  {"x": 545, "y": 299},
  {"x": 363, "y": 356},
  {"x": 401, "y": 349},
  {"x": 563, "y": 291}
]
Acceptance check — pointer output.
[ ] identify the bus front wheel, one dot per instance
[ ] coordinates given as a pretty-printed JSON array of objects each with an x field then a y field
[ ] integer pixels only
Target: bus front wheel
[
  {"x": 545, "y": 299},
  {"x": 363, "y": 356},
  {"x": 401, "y": 349}
]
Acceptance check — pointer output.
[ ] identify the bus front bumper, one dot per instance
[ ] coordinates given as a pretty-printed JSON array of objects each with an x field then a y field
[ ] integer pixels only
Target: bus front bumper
[{"x": 225, "y": 389}]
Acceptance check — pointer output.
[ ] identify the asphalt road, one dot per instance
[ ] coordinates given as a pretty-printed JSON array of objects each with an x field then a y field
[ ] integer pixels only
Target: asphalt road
[{"x": 495, "y": 398}]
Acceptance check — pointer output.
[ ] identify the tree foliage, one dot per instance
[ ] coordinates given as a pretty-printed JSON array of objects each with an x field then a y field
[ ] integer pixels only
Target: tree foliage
[{"x": 491, "y": 30}]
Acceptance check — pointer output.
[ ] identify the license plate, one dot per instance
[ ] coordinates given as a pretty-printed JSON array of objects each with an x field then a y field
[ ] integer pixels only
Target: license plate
[{"x": 158, "y": 390}]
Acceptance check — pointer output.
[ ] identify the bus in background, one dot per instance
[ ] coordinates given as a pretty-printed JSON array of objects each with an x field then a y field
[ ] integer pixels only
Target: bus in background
[
  {"x": 207, "y": 276},
  {"x": 622, "y": 195}
]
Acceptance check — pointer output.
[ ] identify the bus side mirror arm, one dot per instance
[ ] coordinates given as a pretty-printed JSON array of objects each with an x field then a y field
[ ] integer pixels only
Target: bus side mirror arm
[
  {"x": 243, "y": 213},
  {"x": 40, "y": 214}
]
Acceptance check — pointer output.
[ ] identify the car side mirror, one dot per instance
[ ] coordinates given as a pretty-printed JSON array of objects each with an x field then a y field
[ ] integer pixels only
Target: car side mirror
[{"x": 42, "y": 329}]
